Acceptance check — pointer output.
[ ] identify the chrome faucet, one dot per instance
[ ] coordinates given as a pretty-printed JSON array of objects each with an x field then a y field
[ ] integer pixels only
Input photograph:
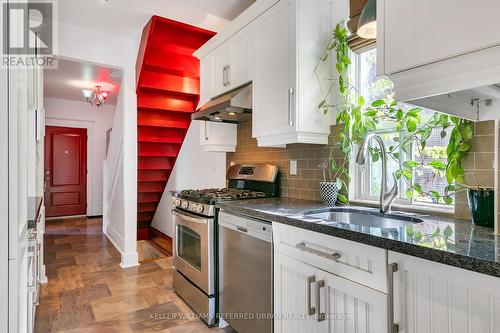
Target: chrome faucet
[{"x": 386, "y": 197}]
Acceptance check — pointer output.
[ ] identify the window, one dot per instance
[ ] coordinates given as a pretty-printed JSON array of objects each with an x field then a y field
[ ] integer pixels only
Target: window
[{"x": 366, "y": 183}]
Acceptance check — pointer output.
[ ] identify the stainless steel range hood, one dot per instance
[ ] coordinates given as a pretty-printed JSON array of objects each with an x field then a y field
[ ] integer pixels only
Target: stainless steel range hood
[{"x": 234, "y": 106}]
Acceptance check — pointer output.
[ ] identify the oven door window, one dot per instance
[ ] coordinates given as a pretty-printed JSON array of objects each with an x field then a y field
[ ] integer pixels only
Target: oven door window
[{"x": 189, "y": 246}]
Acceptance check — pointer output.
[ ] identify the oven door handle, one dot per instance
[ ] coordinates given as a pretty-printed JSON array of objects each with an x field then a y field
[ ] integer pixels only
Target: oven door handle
[{"x": 194, "y": 219}]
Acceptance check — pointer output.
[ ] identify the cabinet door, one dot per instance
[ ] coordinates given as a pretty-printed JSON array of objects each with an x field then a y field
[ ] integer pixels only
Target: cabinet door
[
  {"x": 349, "y": 307},
  {"x": 218, "y": 137},
  {"x": 273, "y": 91},
  {"x": 435, "y": 298},
  {"x": 205, "y": 80},
  {"x": 294, "y": 296},
  {"x": 242, "y": 57},
  {"x": 425, "y": 31},
  {"x": 222, "y": 59}
]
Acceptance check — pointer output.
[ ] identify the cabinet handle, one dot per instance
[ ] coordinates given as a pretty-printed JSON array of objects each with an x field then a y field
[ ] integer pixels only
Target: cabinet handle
[
  {"x": 206, "y": 131},
  {"x": 224, "y": 76},
  {"x": 228, "y": 76},
  {"x": 393, "y": 327},
  {"x": 290, "y": 116},
  {"x": 310, "y": 309},
  {"x": 332, "y": 256},
  {"x": 321, "y": 315}
]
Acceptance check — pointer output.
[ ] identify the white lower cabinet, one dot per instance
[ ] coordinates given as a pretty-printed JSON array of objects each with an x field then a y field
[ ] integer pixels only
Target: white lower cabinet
[
  {"x": 307, "y": 299},
  {"x": 434, "y": 298}
]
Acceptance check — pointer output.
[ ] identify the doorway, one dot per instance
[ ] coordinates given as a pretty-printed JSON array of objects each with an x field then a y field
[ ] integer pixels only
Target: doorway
[{"x": 65, "y": 171}]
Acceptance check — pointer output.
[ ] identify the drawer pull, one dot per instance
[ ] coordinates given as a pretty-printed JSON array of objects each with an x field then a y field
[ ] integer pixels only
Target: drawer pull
[
  {"x": 310, "y": 309},
  {"x": 321, "y": 315},
  {"x": 393, "y": 327},
  {"x": 332, "y": 256}
]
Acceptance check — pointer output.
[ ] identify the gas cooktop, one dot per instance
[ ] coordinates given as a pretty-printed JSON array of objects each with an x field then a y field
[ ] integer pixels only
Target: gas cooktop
[{"x": 217, "y": 194}]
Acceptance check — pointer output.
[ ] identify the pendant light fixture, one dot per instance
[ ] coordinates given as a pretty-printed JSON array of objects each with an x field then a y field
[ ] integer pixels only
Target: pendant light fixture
[{"x": 367, "y": 24}]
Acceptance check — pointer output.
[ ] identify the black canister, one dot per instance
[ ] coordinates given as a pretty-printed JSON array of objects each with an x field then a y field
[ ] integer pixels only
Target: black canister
[{"x": 482, "y": 206}]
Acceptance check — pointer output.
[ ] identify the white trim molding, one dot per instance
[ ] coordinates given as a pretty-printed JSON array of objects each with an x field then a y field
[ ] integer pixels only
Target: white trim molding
[{"x": 128, "y": 259}]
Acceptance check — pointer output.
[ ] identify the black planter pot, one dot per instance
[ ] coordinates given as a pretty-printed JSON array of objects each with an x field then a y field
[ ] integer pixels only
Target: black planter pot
[{"x": 482, "y": 206}]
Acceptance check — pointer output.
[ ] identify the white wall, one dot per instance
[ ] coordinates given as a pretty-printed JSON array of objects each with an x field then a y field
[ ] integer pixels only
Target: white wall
[
  {"x": 101, "y": 48},
  {"x": 68, "y": 113},
  {"x": 194, "y": 169}
]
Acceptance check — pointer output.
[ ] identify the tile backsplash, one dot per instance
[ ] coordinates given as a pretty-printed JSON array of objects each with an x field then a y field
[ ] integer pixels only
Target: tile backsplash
[
  {"x": 479, "y": 161},
  {"x": 305, "y": 185}
]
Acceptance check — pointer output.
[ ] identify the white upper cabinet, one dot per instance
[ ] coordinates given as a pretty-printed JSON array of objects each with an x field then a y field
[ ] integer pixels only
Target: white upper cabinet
[
  {"x": 276, "y": 45},
  {"x": 242, "y": 50},
  {"x": 274, "y": 81},
  {"x": 291, "y": 37},
  {"x": 440, "y": 55},
  {"x": 425, "y": 31}
]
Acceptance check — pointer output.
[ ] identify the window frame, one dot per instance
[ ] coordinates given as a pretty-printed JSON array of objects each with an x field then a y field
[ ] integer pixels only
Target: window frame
[{"x": 359, "y": 189}]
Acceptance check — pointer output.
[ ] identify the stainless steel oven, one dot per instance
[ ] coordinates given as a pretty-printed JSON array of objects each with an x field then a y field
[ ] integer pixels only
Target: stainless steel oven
[
  {"x": 195, "y": 239},
  {"x": 194, "y": 262}
]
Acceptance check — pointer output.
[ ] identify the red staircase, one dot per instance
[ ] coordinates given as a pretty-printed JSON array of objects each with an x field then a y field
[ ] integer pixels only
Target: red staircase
[{"x": 167, "y": 94}]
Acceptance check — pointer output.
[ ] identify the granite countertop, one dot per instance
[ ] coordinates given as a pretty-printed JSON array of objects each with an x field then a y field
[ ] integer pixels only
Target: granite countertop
[
  {"x": 452, "y": 242},
  {"x": 34, "y": 205}
]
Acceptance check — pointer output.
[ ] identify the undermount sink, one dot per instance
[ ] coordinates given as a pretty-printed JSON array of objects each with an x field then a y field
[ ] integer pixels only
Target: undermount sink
[{"x": 363, "y": 218}]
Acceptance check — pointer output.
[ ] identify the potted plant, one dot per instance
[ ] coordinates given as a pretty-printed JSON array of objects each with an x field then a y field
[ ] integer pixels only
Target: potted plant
[
  {"x": 331, "y": 186},
  {"x": 355, "y": 120},
  {"x": 481, "y": 204}
]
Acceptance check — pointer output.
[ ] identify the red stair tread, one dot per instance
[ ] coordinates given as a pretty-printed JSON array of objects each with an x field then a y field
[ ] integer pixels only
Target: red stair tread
[
  {"x": 161, "y": 101},
  {"x": 153, "y": 175},
  {"x": 167, "y": 83},
  {"x": 148, "y": 197},
  {"x": 155, "y": 163},
  {"x": 146, "y": 207},
  {"x": 159, "y": 134},
  {"x": 167, "y": 94}
]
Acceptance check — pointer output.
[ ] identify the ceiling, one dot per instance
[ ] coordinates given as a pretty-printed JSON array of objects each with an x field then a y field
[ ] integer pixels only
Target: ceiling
[
  {"x": 71, "y": 77},
  {"x": 128, "y": 17}
]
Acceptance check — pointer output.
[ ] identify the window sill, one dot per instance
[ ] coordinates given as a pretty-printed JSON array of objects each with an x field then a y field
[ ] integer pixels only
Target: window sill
[{"x": 409, "y": 208}]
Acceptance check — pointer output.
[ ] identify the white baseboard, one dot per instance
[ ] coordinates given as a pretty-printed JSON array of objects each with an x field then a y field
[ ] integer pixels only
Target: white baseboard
[
  {"x": 128, "y": 259},
  {"x": 115, "y": 238}
]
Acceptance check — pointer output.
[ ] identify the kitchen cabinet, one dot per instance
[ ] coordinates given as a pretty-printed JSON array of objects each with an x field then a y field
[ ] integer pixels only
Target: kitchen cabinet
[
  {"x": 227, "y": 66},
  {"x": 449, "y": 60},
  {"x": 276, "y": 45},
  {"x": 310, "y": 296},
  {"x": 274, "y": 82},
  {"x": 307, "y": 299},
  {"x": 217, "y": 137},
  {"x": 241, "y": 66},
  {"x": 290, "y": 39},
  {"x": 434, "y": 298}
]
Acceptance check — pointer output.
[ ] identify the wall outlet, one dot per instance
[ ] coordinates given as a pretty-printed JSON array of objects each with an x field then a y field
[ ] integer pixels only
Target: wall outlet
[
  {"x": 231, "y": 163},
  {"x": 293, "y": 167}
]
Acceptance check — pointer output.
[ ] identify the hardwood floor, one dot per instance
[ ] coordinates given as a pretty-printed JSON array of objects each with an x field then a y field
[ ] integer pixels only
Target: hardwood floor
[{"x": 88, "y": 292}]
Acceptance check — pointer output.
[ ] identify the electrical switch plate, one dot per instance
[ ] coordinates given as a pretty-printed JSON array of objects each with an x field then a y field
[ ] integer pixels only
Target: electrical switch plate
[{"x": 293, "y": 167}]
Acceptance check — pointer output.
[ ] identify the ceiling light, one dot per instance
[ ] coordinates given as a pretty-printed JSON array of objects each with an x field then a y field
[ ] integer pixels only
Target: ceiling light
[
  {"x": 95, "y": 97},
  {"x": 217, "y": 118},
  {"x": 367, "y": 24},
  {"x": 232, "y": 113}
]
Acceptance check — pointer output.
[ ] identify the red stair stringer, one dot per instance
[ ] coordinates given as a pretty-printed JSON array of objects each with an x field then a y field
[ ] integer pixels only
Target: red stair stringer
[{"x": 168, "y": 86}]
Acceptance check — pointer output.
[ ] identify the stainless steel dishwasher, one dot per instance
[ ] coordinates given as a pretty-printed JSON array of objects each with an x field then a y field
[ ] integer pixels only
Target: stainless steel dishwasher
[{"x": 245, "y": 273}]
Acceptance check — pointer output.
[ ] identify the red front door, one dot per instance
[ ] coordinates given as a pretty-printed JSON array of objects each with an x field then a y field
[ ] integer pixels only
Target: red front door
[{"x": 65, "y": 171}]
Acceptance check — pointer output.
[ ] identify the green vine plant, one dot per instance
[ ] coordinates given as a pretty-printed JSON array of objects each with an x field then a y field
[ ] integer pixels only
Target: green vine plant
[{"x": 356, "y": 119}]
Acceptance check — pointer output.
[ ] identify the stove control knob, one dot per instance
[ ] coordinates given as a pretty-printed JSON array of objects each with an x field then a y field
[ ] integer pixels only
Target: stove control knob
[
  {"x": 198, "y": 209},
  {"x": 177, "y": 202},
  {"x": 184, "y": 204}
]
